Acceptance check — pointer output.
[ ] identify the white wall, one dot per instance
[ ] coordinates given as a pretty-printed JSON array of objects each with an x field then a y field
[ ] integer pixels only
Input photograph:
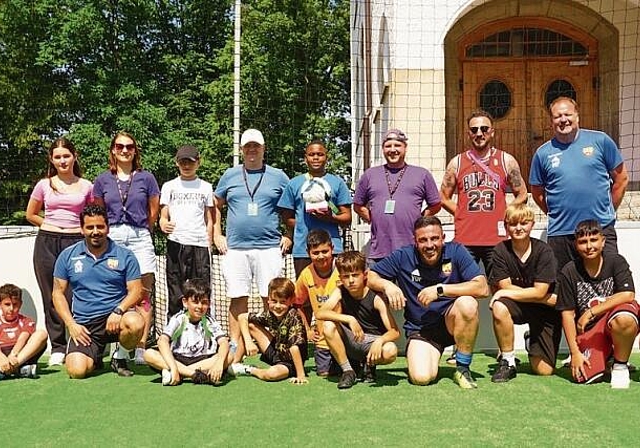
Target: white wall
[{"x": 16, "y": 266}]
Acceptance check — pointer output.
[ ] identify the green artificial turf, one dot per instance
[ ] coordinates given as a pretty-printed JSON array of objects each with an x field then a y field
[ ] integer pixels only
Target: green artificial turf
[{"x": 106, "y": 410}]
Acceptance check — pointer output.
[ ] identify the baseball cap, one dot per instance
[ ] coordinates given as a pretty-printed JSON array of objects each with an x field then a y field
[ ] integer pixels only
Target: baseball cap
[
  {"x": 395, "y": 134},
  {"x": 187, "y": 152},
  {"x": 251, "y": 135}
]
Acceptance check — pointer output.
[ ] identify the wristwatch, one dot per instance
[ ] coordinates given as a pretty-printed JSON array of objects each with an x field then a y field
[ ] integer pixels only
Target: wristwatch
[
  {"x": 117, "y": 310},
  {"x": 440, "y": 289}
]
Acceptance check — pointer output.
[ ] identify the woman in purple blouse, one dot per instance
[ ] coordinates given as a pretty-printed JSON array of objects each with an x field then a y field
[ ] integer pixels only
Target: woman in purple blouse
[{"x": 132, "y": 198}]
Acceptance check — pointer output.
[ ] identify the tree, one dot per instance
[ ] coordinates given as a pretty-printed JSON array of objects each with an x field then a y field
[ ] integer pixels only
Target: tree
[{"x": 162, "y": 70}]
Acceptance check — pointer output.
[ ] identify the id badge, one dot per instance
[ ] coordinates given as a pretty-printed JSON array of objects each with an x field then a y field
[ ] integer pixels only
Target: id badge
[
  {"x": 502, "y": 231},
  {"x": 389, "y": 207},
  {"x": 252, "y": 209}
]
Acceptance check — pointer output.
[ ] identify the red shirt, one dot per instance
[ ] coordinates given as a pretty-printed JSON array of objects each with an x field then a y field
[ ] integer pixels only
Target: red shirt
[
  {"x": 9, "y": 331},
  {"x": 479, "y": 219}
]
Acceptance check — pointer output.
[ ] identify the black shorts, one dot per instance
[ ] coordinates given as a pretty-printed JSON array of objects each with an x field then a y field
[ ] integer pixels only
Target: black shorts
[
  {"x": 188, "y": 360},
  {"x": 32, "y": 360},
  {"x": 436, "y": 335},
  {"x": 99, "y": 340},
  {"x": 272, "y": 357},
  {"x": 545, "y": 327}
]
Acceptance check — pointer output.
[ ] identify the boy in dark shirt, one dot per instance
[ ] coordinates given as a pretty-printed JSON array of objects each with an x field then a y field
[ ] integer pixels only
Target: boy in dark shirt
[
  {"x": 523, "y": 278},
  {"x": 358, "y": 323},
  {"x": 596, "y": 297}
]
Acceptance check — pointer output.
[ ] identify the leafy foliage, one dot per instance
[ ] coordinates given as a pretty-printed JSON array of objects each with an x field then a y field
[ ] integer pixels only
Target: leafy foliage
[{"x": 163, "y": 70}]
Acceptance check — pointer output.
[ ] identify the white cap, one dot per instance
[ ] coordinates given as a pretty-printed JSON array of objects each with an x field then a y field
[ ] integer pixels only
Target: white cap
[{"x": 252, "y": 135}]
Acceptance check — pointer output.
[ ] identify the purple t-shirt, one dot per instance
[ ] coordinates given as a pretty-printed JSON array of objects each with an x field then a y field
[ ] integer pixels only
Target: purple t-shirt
[
  {"x": 135, "y": 211},
  {"x": 390, "y": 231}
]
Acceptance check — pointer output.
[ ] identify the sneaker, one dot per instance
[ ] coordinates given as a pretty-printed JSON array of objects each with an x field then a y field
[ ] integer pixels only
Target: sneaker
[
  {"x": 200, "y": 377},
  {"x": 120, "y": 367},
  {"x": 166, "y": 377},
  {"x": 620, "y": 378},
  {"x": 347, "y": 380},
  {"x": 2, "y": 376},
  {"x": 369, "y": 374},
  {"x": 527, "y": 338},
  {"x": 566, "y": 362},
  {"x": 56, "y": 359},
  {"x": 239, "y": 369},
  {"x": 464, "y": 379},
  {"x": 138, "y": 357},
  {"x": 499, "y": 359},
  {"x": 27, "y": 371},
  {"x": 504, "y": 372}
]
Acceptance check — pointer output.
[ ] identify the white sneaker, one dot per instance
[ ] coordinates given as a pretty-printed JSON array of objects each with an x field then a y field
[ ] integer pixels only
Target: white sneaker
[
  {"x": 56, "y": 359},
  {"x": 238, "y": 369},
  {"x": 166, "y": 377},
  {"x": 138, "y": 357},
  {"x": 566, "y": 362},
  {"x": 27, "y": 371},
  {"x": 620, "y": 378}
]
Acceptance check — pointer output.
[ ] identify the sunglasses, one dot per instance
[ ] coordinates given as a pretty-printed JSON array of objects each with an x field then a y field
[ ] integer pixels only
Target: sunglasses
[
  {"x": 484, "y": 129},
  {"x": 121, "y": 147}
]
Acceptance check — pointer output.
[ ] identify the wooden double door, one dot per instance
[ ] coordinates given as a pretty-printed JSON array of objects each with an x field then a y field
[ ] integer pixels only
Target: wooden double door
[{"x": 518, "y": 91}]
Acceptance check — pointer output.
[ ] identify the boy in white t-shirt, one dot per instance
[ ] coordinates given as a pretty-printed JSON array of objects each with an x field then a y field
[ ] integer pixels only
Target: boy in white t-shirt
[{"x": 187, "y": 218}]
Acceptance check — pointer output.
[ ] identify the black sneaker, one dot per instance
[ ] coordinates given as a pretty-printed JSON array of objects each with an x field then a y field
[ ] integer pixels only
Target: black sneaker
[
  {"x": 200, "y": 377},
  {"x": 369, "y": 373},
  {"x": 120, "y": 367},
  {"x": 504, "y": 373},
  {"x": 347, "y": 380}
]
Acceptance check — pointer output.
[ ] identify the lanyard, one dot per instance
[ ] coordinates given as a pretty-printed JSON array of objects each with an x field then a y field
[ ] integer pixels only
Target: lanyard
[
  {"x": 393, "y": 190},
  {"x": 246, "y": 182},
  {"x": 124, "y": 195}
]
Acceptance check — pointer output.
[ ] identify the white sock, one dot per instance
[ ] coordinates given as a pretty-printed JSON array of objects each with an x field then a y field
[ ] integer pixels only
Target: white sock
[
  {"x": 620, "y": 366},
  {"x": 121, "y": 353},
  {"x": 510, "y": 357}
]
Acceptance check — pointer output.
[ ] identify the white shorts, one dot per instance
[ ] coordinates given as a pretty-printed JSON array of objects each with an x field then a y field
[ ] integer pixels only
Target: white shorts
[
  {"x": 137, "y": 240},
  {"x": 241, "y": 267}
]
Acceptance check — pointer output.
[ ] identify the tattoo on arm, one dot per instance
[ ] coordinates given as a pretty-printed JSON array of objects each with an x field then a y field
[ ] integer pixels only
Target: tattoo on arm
[
  {"x": 515, "y": 178},
  {"x": 449, "y": 180}
]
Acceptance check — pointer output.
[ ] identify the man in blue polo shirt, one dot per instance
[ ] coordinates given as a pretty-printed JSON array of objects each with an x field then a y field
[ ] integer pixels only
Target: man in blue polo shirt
[
  {"x": 437, "y": 285},
  {"x": 105, "y": 283}
]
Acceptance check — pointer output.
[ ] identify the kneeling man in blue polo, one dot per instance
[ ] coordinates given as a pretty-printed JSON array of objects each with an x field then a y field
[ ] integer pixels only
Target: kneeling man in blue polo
[{"x": 105, "y": 284}]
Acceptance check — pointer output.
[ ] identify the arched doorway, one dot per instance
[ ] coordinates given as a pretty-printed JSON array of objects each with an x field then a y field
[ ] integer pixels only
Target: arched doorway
[
  {"x": 515, "y": 67},
  {"x": 526, "y": 124}
]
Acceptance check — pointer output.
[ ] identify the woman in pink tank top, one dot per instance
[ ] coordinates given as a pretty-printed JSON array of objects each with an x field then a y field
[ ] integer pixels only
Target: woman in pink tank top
[{"x": 61, "y": 195}]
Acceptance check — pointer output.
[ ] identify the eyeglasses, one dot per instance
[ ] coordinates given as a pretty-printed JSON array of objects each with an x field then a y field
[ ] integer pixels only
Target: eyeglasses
[
  {"x": 121, "y": 147},
  {"x": 484, "y": 129}
]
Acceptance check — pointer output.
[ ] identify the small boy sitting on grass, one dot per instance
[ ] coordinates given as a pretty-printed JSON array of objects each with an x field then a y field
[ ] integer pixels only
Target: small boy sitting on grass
[
  {"x": 359, "y": 326},
  {"x": 280, "y": 335},
  {"x": 193, "y": 344},
  {"x": 313, "y": 287},
  {"x": 20, "y": 343}
]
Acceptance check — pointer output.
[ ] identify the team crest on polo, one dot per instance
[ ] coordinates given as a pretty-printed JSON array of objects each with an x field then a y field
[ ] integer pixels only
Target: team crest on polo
[
  {"x": 77, "y": 267},
  {"x": 415, "y": 276},
  {"x": 588, "y": 151},
  {"x": 112, "y": 263},
  {"x": 446, "y": 268}
]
